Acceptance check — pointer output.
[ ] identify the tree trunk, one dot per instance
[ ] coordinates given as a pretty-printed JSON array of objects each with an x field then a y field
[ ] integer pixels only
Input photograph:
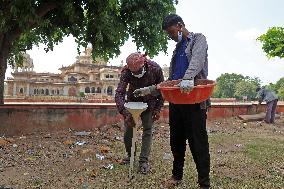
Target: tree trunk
[{"x": 3, "y": 67}]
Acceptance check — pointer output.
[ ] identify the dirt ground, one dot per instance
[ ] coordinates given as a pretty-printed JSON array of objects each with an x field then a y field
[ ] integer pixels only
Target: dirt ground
[{"x": 243, "y": 155}]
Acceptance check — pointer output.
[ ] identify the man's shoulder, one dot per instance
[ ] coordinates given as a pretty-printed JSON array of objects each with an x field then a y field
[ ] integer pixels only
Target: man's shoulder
[
  {"x": 196, "y": 35},
  {"x": 124, "y": 69},
  {"x": 153, "y": 64},
  {"x": 125, "y": 72},
  {"x": 199, "y": 36}
]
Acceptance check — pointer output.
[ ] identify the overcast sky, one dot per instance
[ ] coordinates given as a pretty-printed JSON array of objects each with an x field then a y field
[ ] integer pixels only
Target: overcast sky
[{"x": 231, "y": 28}]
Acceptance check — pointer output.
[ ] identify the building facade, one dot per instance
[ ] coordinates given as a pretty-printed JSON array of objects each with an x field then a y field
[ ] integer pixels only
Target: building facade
[{"x": 85, "y": 77}]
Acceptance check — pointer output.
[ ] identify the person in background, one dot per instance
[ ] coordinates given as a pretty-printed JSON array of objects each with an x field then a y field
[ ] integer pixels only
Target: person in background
[
  {"x": 271, "y": 100},
  {"x": 187, "y": 121},
  {"x": 138, "y": 73}
]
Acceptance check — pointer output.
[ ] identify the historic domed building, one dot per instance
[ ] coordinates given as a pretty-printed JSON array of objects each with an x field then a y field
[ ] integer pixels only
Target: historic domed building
[{"x": 85, "y": 77}]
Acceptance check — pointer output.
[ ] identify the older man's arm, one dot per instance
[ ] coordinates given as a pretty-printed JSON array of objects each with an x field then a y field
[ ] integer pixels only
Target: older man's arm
[{"x": 120, "y": 94}]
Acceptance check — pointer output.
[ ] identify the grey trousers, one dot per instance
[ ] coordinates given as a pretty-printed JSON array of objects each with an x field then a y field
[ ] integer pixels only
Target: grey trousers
[
  {"x": 147, "y": 123},
  {"x": 270, "y": 111}
]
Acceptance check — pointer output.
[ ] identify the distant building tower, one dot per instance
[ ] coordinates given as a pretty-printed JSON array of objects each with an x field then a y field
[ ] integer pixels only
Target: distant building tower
[
  {"x": 165, "y": 70},
  {"x": 27, "y": 65}
]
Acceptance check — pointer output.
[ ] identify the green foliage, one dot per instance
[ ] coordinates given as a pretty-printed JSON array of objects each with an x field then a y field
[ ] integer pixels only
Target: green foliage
[
  {"x": 245, "y": 88},
  {"x": 270, "y": 86},
  {"x": 278, "y": 87},
  {"x": 226, "y": 85},
  {"x": 105, "y": 24},
  {"x": 279, "y": 84},
  {"x": 281, "y": 93},
  {"x": 81, "y": 94},
  {"x": 235, "y": 86},
  {"x": 273, "y": 42}
]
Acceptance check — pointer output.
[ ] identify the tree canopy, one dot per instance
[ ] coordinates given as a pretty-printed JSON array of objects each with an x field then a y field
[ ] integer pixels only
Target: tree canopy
[
  {"x": 273, "y": 42},
  {"x": 104, "y": 24},
  {"x": 226, "y": 85},
  {"x": 235, "y": 86}
]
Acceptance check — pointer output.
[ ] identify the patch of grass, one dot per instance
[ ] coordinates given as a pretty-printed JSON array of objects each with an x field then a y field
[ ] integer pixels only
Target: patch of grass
[{"x": 265, "y": 150}]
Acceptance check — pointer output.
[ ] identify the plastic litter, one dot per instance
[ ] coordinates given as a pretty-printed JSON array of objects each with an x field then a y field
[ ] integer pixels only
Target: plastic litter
[
  {"x": 80, "y": 143},
  {"x": 100, "y": 157}
]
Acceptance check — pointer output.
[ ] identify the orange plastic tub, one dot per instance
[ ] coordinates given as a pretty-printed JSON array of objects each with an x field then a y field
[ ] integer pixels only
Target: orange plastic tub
[{"x": 202, "y": 91}]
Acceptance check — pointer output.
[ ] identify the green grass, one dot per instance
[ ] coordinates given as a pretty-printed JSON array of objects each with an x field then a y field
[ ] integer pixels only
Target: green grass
[{"x": 242, "y": 157}]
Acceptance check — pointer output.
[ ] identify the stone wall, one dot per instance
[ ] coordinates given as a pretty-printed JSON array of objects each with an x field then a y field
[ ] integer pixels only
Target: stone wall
[{"x": 20, "y": 119}]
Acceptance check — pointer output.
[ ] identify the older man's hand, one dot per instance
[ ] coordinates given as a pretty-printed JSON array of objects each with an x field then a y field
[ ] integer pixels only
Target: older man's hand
[
  {"x": 145, "y": 91},
  {"x": 128, "y": 119},
  {"x": 156, "y": 115}
]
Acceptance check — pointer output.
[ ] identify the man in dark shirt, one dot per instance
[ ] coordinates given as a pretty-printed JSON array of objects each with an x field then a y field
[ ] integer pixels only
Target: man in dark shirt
[
  {"x": 138, "y": 73},
  {"x": 187, "y": 121}
]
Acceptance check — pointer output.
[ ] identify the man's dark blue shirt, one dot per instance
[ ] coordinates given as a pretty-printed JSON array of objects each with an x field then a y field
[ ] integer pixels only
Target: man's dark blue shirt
[{"x": 181, "y": 62}]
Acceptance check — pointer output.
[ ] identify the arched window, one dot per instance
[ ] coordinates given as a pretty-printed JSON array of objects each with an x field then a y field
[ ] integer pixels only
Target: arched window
[
  {"x": 34, "y": 91},
  {"x": 42, "y": 91},
  {"x": 21, "y": 90},
  {"x": 52, "y": 92},
  {"x": 109, "y": 90},
  {"x": 99, "y": 90},
  {"x": 46, "y": 92},
  {"x": 72, "y": 78},
  {"x": 87, "y": 90},
  {"x": 57, "y": 91},
  {"x": 93, "y": 89}
]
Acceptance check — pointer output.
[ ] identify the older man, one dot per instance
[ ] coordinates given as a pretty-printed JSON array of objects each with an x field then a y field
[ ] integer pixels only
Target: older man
[{"x": 138, "y": 73}]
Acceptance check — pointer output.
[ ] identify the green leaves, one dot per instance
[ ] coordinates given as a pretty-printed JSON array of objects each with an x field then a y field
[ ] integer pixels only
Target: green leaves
[
  {"x": 235, "y": 86},
  {"x": 273, "y": 42},
  {"x": 105, "y": 24},
  {"x": 144, "y": 20}
]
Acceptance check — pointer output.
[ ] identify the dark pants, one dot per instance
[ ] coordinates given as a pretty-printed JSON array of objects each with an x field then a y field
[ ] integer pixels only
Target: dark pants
[
  {"x": 270, "y": 111},
  {"x": 147, "y": 123},
  {"x": 188, "y": 123}
]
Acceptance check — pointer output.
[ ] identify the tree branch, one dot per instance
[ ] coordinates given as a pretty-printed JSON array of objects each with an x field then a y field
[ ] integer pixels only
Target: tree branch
[{"x": 45, "y": 8}]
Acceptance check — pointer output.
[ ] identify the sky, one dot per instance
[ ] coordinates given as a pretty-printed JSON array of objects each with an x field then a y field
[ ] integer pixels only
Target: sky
[{"x": 230, "y": 26}]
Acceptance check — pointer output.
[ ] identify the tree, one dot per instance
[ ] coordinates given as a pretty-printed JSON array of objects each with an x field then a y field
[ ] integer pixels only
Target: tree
[
  {"x": 281, "y": 93},
  {"x": 226, "y": 85},
  {"x": 235, "y": 86},
  {"x": 279, "y": 84},
  {"x": 246, "y": 88},
  {"x": 104, "y": 24},
  {"x": 270, "y": 86},
  {"x": 273, "y": 42}
]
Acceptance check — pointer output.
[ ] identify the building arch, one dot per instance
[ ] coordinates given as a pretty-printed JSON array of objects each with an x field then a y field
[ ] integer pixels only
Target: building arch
[
  {"x": 99, "y": 90},
  {"x": 109, "y": 90},
  {"x": 87, "y": 90},
  {"x": 72, "y": 78},
  {"x": 93, "y": 90}
]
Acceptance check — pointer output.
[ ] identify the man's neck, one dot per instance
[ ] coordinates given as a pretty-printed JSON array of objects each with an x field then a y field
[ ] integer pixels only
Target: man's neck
[{"x": 185, "y": 32}]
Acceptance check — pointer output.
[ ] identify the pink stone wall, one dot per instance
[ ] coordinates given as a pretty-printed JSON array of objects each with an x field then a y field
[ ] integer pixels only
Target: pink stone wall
[{"x": 21, "y": 119}]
